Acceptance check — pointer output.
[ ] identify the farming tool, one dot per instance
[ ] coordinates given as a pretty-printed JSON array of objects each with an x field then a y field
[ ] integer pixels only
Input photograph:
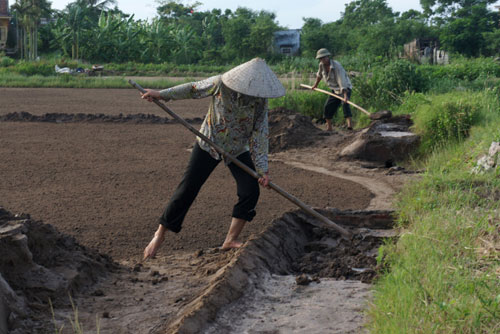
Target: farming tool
[
  {"x": 378, "y": 115},
  {"x": 346, "y": 234}
]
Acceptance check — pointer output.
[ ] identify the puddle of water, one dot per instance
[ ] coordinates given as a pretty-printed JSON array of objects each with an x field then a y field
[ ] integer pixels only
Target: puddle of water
[
  {"x": 396, "y": 134},
  {"x": 279, "y": 305}
]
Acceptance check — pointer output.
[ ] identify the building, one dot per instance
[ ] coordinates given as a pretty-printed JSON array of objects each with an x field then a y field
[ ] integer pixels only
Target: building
[
  {"x": 4, "y": 22},
  {"x": 287, "y": 42},
  {"x": 425, "y": 51}
]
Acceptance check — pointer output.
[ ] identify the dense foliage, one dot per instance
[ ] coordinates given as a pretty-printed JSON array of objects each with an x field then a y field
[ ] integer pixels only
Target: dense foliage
[{"x": 182, "y": 34}]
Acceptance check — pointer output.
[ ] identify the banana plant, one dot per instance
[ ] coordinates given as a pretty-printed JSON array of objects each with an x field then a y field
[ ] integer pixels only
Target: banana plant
[
  {"x": 156, "y": 41},
  {"x": 186, "y": 48}
]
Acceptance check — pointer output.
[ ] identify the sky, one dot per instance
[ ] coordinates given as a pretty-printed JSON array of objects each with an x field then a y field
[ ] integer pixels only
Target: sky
[{"x": 289, "y": 13}]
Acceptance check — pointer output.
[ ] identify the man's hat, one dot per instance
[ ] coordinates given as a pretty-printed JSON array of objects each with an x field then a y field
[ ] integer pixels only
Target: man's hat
[
  {"x": 322, "y": 53},
  {"x": 254, "y": 78}
]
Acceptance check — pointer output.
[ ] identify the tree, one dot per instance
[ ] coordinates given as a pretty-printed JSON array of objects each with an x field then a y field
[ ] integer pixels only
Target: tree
[
  {"x": 313, "y": 37},
  {"x": 28, "y": 14},
  {"x": 410, "y": 25},
  {"x": 172, "y": 10},
  {"x": 448, "y": 7},
  {"x": 154, "y": 42},
  {"x": 366, "y": 12},
  {"x": 186, "y": 49},
  {"x": 77, "y": 18},
  {"x": 465, "y": 31},
  {"x": 367, "y": 26},
  {"x": 492, "y": 43},
  {"x": 261, "y": 33},
  {"x": 248, "y": 34},
  {"x": 70, "y": 27},
  {"x": 212, "y": 36}
]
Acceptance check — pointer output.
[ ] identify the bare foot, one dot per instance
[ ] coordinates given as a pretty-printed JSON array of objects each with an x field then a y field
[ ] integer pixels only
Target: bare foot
[
  {"x": 154, "y": 245},
  {"x": 230, "y": 245}
]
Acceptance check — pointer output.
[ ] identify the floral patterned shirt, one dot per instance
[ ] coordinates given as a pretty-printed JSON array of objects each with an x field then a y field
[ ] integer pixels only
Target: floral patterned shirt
[
  {"x": 235, "y": 122},
  {"x": 336, "y": 78}
]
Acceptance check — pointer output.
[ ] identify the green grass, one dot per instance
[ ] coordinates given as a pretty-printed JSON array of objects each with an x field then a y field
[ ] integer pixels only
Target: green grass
[
  {"x": 446, "y": 118},
  {"x": 442, "y": 275}
]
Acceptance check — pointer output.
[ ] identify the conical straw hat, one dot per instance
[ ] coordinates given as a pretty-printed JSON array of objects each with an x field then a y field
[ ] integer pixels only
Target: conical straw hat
[{"x": 254, "y": 78}]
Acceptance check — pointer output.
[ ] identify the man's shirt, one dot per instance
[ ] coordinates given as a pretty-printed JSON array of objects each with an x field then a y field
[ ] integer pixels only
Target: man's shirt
[{"x": 336, "y": 78}]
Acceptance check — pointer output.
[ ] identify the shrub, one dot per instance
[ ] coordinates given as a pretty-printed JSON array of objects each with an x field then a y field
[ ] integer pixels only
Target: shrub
[
  {"x": 34, "y": 68},
  {"x": 386, "y": 85},
  {"x": 6, "y": 61},
  {"x": 446, "y": 118},
  {"x": 462, "y": 68},
  {"x": 411, "y": 101},
  {"x": 307, "y": 103},
  {"x": 400, "y": 76}
]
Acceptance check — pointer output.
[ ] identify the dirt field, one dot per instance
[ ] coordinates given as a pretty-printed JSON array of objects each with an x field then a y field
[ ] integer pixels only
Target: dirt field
[{"x": 107, "y": 182}]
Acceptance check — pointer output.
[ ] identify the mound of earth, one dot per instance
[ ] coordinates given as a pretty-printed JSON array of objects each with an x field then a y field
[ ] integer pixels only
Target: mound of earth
[
  {"x": 91, "y": 118},
  {"x": 295, "y": 246},
  {"x": 40, "y": 266},
  {"x": 288, "y": 129},
  {"x": 384, "y": 141}
]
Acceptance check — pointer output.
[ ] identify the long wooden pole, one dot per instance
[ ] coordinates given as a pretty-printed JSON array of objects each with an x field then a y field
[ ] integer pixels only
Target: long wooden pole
[
  {"x": 346, "y": 234},
  {"x": 337, "y": 96}
]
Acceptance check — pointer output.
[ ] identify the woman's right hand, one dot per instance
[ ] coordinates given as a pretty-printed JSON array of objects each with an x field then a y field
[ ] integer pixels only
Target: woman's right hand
[{"x": 151, "y": 94}]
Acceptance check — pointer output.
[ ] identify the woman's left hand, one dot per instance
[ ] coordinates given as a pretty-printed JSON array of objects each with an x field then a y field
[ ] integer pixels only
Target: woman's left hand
[{"x": 264, "y": 180}]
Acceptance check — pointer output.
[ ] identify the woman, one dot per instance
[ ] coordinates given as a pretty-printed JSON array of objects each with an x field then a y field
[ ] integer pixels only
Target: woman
[{"x": 237, "y": 122}]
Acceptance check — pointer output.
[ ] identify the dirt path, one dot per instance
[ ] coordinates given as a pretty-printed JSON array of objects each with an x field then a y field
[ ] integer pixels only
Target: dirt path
[{"x": 106, "y": 184}]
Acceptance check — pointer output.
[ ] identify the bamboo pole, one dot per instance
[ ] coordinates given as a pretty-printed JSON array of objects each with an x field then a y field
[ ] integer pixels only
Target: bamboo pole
[
  {"x": 346, "y": 234},
  {"x": 337, "y": 96}
]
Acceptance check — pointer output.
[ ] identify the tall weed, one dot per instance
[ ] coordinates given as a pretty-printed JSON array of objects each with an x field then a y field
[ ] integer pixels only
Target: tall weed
[
  {"x": 34, "y": 68},
  {"x": 307, "y": 103},
  {"x": 461, "y": 68},
  {"x": 310, "y": 103},
  {"x": 6, "y": 61},
  {"x": 441, "y": 119},
  {"x": 385, "y": 86}
]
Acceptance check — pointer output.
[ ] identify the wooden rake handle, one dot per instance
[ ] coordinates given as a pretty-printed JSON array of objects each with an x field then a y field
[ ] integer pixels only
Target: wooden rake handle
[
  {"x": 337, "y": 96},
  {"x": 346, "y": 234}
]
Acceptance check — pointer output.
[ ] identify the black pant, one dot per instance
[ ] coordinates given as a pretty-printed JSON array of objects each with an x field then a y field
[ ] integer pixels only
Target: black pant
[
  {"x": 333, "y": 103},
  {"x": 201, "y": 165}
]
